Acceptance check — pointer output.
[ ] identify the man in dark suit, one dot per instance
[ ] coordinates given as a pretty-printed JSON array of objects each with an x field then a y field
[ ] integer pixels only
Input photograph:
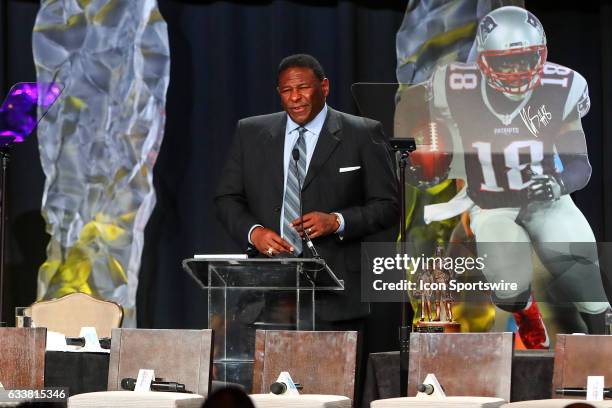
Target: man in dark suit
[
  {"x": 344, "y": 169},
  {"x": 348, "y": 188}
]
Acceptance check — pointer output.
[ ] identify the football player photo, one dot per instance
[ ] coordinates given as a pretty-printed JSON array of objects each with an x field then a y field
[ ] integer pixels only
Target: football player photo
[{"x": 510, "y": 127}]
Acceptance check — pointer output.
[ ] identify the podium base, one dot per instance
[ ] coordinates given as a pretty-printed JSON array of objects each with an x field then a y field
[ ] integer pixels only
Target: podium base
[{"x": 437, "y": 327}]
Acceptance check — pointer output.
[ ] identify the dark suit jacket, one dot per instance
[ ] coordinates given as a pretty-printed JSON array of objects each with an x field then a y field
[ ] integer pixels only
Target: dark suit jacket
[{"x": 250, "y": 192}]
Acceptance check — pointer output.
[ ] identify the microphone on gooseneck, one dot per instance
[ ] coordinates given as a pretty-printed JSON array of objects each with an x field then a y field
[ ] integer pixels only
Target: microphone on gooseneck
[{"x": 296, "y": 157}]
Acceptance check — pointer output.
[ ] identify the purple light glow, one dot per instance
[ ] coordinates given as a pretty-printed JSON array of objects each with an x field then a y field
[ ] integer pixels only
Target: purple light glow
[{"x": 19, "y": 113}]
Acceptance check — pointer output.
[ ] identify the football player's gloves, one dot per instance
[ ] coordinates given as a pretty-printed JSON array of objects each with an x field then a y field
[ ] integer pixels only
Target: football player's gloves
[{"x": 544, "y": 188}]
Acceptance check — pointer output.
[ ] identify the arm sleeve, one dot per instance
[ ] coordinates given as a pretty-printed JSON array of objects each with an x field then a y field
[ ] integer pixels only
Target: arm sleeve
[
  {"x": 576, "y": 171},
  {"x": 571, "y": 144},
  {"x": 380, "y": 209},
  {"x": 230, "y": 200}
]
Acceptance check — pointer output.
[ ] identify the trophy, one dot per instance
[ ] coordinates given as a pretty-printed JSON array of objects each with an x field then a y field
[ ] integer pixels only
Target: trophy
[{"x": 436, "y": 299}]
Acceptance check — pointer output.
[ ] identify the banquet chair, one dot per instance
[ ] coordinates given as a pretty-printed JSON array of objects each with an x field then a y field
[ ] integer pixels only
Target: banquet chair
[
  {"x": 579, "y": 356},
  {"x": 576, "y": 358},
  {"x": 182, "y": 356},
  {"x": 22, "y": 357},
  {"x": 323, "y": 362},
  {"x": 473, "y": 368},
  {"x": 70, "y": 312}
]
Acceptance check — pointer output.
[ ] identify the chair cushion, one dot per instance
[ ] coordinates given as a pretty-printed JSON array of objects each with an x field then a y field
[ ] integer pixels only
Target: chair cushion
[
  {"x": 300, "y": 401},
  {"x": 153, "y": 399},
  {"x": 459, "y": 402}
]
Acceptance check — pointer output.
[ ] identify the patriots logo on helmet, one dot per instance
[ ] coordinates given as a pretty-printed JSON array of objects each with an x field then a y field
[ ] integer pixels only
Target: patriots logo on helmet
[
  {"x": 486, "y": 26},
  {"x": 533, "y": 21}
]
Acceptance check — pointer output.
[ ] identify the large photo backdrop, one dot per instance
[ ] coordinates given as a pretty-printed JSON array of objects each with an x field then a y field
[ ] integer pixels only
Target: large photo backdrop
[{"x": 223, "y": 67}]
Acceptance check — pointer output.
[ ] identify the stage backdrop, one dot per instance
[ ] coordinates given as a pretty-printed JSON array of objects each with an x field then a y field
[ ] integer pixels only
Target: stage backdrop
[
  {"x": 99, "y": 143},
  {"x": 223, "y": 67}
]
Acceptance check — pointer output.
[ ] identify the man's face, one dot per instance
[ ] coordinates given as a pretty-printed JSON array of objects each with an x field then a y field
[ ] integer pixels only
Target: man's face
[
  {"x": 513, "y": 71},
  {"x": 510, "y": 64},
  {"x": 302, "y": 93}
]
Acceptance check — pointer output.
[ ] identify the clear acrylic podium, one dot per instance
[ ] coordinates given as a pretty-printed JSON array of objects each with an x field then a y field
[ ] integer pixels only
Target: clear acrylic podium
[{"x": 249, "y": 294}]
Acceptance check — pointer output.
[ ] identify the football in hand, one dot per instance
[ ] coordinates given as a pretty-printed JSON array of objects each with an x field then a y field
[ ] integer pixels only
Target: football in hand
[{"x": 432, "y": 154}]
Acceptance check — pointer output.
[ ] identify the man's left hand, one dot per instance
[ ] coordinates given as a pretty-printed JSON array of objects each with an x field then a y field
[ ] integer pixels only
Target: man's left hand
[{"x": 317, "y": 224}]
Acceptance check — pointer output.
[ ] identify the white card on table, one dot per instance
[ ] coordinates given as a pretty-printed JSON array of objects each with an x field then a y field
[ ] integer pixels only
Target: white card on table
[
  {"x": 144, "y": 380},
  {"x": 595, "y": 387},
  {"x": 91, "y": 339}
]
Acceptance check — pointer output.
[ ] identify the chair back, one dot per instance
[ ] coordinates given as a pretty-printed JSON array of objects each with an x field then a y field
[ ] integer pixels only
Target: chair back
[
  {"x": 323, "y": 362},
  {"x": 465, "y": 364},
  {"x": 22, "y": 357},
  {"x": 182, "y": 356},
  {"x": 69, "y": 313},
  {"x": 579, "y": 356}
]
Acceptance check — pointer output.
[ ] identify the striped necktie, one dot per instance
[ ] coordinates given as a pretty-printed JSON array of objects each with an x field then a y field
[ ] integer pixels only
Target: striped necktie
[{"x": 291, "y": 200}]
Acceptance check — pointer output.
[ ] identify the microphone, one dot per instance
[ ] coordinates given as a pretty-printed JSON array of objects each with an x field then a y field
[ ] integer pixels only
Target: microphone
[
  {"x": 296, "y": 157},
  {"x": 425, "y": 388},
  {"x": 577, "y": 391},
  {"x": 164, "y": 386},
  {"x": 280, "y": 387},
  {"x": 105, "y": 342},
  {"x": 430, "y": 388},
  {"x": 75, "y": 341}
]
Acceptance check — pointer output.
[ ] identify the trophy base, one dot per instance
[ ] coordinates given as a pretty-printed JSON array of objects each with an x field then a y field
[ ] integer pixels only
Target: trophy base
[{"x": 437, "y": 327}]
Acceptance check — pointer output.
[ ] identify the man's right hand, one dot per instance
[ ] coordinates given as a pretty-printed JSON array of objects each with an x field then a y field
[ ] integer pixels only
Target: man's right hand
[{"x": 269, "y": 242}]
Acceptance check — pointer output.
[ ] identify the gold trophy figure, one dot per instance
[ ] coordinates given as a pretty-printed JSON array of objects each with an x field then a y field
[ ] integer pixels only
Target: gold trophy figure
[
  {"x": 439, "y": 296},
  {"x": 442, "y": 296},
  {"x": 423, "y": 292}
]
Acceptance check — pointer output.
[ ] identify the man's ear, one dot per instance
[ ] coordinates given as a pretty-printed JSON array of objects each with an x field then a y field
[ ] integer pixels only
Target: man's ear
[{"x": 325, "y": 86}]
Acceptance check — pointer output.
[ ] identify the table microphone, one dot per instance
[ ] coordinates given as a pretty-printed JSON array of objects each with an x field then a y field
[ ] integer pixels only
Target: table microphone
[
  {"x": 577, "y": 391},
  {"x": 296, "y": 157},
  {"x": 279, "y": 388},
  {"x": 425, "y": 388},
  {"x": 75, "y": 341},
  {"x": 165, "y": 386},
  {"x": 105, "y": 342}
]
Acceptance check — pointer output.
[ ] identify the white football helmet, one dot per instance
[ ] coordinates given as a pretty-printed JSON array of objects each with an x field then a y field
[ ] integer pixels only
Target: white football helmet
[{"x": 512, "y": 50}]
